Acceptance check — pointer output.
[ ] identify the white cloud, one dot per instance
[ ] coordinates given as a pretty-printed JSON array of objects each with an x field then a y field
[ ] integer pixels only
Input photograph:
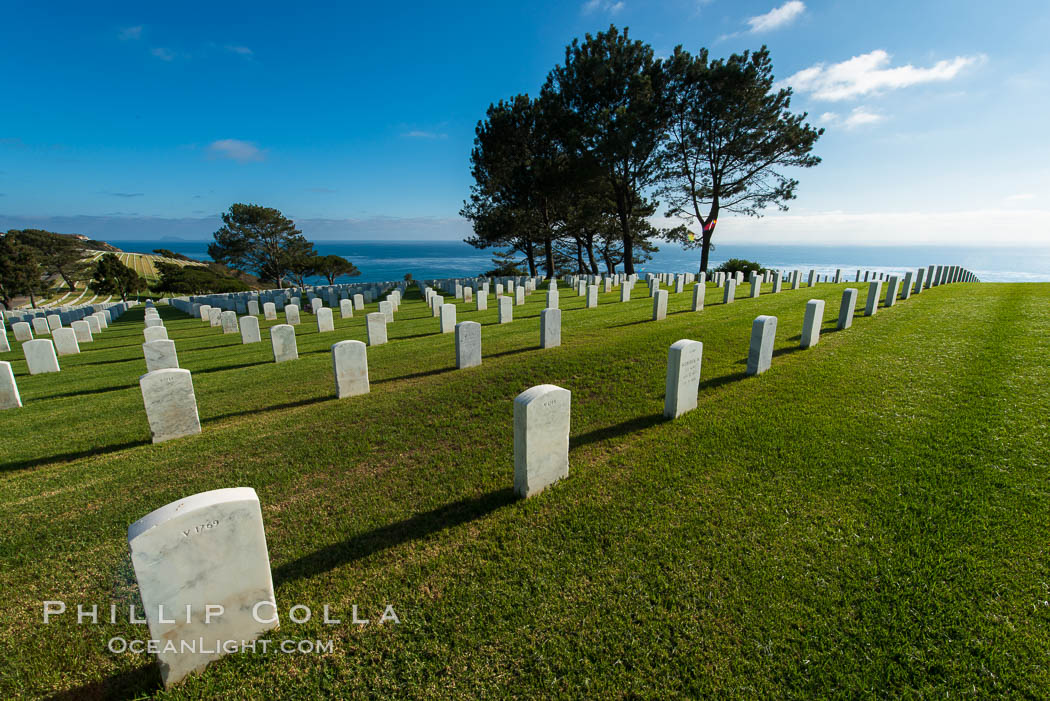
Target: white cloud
[
  {"x": 870, "y": 73},
  {"x": 777, "y": 17},
  {"x": 861, "y": 116},
  {"x": 240, "y": 50},
  {"x": 857, "y": 118},
  {"x": 421, "y": 134},
  {"x": 131, "y": 33},
  {"x": 163, "y": 54},
  {"x": 603, "y": 6},
  {"x": 236, "y": 150}
]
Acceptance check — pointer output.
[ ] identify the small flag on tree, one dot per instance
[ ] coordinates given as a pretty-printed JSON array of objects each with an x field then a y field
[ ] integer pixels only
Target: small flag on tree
[{"x": 709, "y": 226}]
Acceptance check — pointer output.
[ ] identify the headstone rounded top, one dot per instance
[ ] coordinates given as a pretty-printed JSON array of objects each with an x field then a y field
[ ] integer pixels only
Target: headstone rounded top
[
  {"x": 538, "y": 391},
  {"x": 158, "y": 374},
  {"x": 190, "y": 503}
]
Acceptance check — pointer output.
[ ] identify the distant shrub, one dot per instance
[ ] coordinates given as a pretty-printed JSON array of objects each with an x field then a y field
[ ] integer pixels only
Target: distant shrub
[{"x": 740, "y": 265}]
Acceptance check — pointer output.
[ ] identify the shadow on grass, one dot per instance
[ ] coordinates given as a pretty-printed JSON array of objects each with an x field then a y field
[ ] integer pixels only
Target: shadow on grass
[
  {"x": 385, "y": 537},
  {"x": 223, "y": 368},
  {"x": 69, "y": 457},
  {"x": 631, "y": 323},
  {"x": 716, "y": 382},
  {"x": 100, "y": 390},
  {"x": 261, "y": 410},
  {"x": 515, "y": 351},
  {"x": 414, "y": 375},
  {"x": 639, "y": 423},
  {"x": 131, "y": 684},
  {"x": 89, "y": 361}
]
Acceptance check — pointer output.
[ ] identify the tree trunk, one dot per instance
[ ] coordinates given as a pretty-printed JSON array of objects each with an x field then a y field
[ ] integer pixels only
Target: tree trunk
[
  {"x": 628, "y": 240},
  {"x": 705, "y": 250},
  {"x": 579, "y": 256},
  {"x": 590, "y": 255},
  {"x": 705, "y": 233},
  {"x": 548, "y": 252},
  {"x": 530, "y": 255}
]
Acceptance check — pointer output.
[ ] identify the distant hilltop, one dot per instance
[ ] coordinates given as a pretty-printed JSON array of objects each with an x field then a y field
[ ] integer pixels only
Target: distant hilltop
[{"x": 91, "y": 243}]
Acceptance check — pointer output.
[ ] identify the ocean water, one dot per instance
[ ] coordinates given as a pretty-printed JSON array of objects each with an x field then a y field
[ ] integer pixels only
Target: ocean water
[{"x": 390, "y": 260}]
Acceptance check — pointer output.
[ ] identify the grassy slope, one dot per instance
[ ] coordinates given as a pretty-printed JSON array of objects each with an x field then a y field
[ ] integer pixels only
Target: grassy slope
[{"x": 868, "y": 517}]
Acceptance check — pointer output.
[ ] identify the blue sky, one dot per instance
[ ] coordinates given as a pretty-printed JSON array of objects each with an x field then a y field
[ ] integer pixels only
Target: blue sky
[{"x": 140, "y": 120}]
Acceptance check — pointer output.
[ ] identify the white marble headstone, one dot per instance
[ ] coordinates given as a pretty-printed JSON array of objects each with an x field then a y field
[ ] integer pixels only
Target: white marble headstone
[
  {"x": 350, "y": 365},
  {"x": 375, "y": 325},
  {"x": 203, "y": 558},
  {"x": 325, "y": 323},
  {"x": 812, "y": 322},
  {"x": 171, "y": 406},
  {"x": 660, "y": 305},
  {"x": 282, "y": 338},
  {"x": 760, "y": 354},
  {"x": 82, "y": 330},
  {"x": 448, "y": 318},
  {"x": 9, "y": 398},
  {"x": 849, "y": 302},
  {"x": 160, "y": 354},
  {"x": 228, "y": 319},
  {"x": 40, "y": 356},
  {"x": 550, "y": 327},
  {"x": 541, "y": 438},
  {"x": 155, "y": 333},
  {"x": 22, "y": 331},
  {"x": 249, "y": 326},
  {"x": 468, "y": 344},
  {"x": 65, "y": 342},
  {"x": 683, "y": 377}
]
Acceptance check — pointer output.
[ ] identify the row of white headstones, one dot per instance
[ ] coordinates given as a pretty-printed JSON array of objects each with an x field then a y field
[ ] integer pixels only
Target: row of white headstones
[
  {"x": 41, "y": 354},
  {"x": 213, "y": 582}
]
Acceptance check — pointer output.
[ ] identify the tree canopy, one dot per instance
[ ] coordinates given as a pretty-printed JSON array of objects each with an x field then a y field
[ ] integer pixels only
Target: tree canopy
[
  {"x": 20, "y": 271},
  {"x": 574, "y": 176},
  {"x": 60, "y": 255},
  {"x": 260, "y": 240},
  {"x": 333, "y": 267},
  {"x": 112, "y": 277},
  {"x": 195, "y": 280},
  {"x": 729, "y": 138}
]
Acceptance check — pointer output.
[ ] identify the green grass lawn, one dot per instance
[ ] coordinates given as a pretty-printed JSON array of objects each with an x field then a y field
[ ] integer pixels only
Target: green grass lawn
[{"x": 867, "y": 518}]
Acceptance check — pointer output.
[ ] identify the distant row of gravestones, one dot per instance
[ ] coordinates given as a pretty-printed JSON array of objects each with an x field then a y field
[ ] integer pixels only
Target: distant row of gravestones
[{"x": 42, "y": 354}]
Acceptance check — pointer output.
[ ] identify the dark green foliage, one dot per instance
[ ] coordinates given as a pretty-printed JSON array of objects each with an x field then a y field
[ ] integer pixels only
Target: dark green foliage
[
  {"x": 730, "y": 138},
  {"x": 260, "y": 240},
  {"x": 520, "y": 191},
  {"x": 112, "y": 277},
  {"x": 333, "y": 267},
  {"x": 59, "y": 255},
  {"x": 734, "y": 265},
  {"x": 194, "y": 280},
  {"x": 172, "y": 254},
  {"x": 610, "y": 101},
  {"x": 506, "y": 265},
  {"x": 20, "y": 271}
]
